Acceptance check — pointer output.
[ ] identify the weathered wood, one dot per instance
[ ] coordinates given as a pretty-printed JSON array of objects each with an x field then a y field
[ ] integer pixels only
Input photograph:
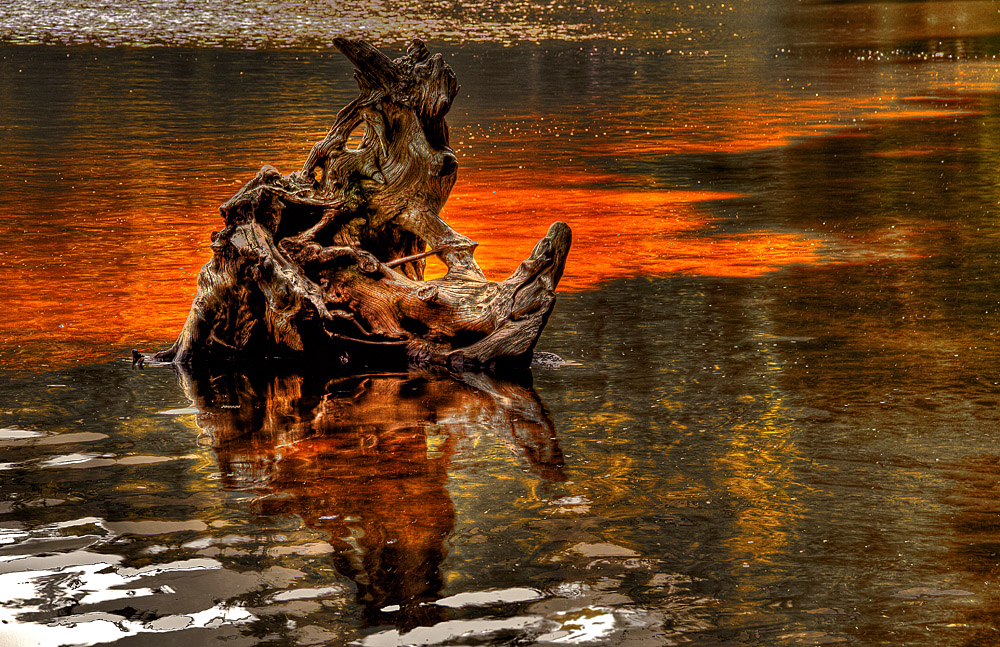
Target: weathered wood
[{"x": 328, "y": 263}]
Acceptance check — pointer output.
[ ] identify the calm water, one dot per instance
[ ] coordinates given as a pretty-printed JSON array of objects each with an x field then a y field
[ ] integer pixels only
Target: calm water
[{"x": 782, "y": 422}]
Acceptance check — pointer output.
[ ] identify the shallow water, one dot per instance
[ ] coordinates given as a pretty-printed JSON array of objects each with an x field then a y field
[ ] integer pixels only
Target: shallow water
[{"x": 781, "y": 422}]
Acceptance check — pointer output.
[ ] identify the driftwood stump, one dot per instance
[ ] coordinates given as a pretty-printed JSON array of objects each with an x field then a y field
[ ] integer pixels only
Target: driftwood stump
[{"x": 327, "y": 263}]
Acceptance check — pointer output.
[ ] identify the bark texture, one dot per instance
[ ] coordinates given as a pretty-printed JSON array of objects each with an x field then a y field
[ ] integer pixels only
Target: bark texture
[{"x": 327, "y": 263}]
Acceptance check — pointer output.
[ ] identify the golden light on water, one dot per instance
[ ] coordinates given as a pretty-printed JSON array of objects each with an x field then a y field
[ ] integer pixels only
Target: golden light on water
[
  {"x": 139, "y": 289},
  {"x": 132, "y": 283},
  {"x": 617, "y": 233}
]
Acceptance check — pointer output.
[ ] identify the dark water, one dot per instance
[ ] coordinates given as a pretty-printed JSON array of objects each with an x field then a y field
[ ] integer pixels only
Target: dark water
[{"x": 782, "y": 423}]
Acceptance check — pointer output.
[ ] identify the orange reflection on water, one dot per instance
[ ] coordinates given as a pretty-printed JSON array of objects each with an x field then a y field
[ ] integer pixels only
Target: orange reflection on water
[
  {"x": 120, "y": 281},
  {"x": 366, "y": 461},
  {"x": 129, "y": 280},
  {"x": 662, "y": 124},
  {"x": 617, "y": 232}
]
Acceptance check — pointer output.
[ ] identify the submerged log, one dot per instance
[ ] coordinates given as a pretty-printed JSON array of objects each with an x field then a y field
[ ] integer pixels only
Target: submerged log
[{"x": 327, "y": 263}]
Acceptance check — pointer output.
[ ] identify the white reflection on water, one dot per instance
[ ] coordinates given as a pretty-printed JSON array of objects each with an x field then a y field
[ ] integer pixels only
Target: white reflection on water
[
  {"x": 86, "y": 578},
  {"x": 17, "y": 434},
  {"x": 306, "y": 593},
  {"x": 580, "y": 626},
  {"x": 269, "y": 24},
  {"x": 479, "y": 598},
  {"x": 64, "y": 579},
  {"x": 450, "y": 630}
]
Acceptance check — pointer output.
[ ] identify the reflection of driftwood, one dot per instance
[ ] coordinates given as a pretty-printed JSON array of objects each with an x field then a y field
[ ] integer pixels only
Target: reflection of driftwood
[
  {"x": 328, "y": 263},
  {"x": 365, "y": 459}
]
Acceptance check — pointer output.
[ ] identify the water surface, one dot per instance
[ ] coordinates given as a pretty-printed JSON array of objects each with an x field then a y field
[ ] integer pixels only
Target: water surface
[{"x": 780, "y": 427}]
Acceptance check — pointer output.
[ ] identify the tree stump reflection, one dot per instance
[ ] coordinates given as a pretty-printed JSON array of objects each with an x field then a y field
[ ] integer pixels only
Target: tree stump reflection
[{"x": 365, "y": 460}]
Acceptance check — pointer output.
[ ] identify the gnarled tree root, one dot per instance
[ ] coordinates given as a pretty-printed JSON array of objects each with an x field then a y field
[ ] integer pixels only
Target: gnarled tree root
[{"x": 326, "y": 264}]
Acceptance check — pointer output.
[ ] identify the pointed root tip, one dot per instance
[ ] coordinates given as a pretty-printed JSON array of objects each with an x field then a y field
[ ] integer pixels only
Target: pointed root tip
[
  {"x": 375, "y": 68},
  {"x": 560, "y": 237},
  {"x": 560, "y": 234},
  {"x": 418, "y": 50}
]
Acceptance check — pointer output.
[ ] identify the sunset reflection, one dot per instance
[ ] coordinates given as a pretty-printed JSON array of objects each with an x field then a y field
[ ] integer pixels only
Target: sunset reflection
[
  {"x": 618, "y": 233},
  {"x": 75, "y": 288},
  {"x": 106, "y": 238},
  {"x": 365, "y": 460}
]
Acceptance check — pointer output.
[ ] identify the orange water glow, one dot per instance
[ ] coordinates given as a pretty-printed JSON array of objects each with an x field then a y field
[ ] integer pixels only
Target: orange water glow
[
  {"x": 134, "y": 281},
  {"x": 617, "y": 233},
  {"x": 662, "y": 125},
  {"x": 122, "y": 272},
  {"x": 130, "y": 284}
]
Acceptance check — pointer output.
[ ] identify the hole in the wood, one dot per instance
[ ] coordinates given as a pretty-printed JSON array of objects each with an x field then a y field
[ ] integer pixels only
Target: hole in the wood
[
  {"x": 435, "y": 268},
  {"x": 295, "y": 220},
  {"x": 448, "y": 166},
  {"x": 356, "y": 137},
  {"x": 414, "y": 326}
]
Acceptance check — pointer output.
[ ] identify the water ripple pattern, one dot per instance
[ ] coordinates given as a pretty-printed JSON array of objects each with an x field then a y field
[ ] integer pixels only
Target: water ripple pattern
[{"x": 310, "y": 24}]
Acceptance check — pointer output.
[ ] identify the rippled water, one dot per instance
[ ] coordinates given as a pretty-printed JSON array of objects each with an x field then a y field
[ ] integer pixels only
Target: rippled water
[{"x": 780, "y": 426}]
